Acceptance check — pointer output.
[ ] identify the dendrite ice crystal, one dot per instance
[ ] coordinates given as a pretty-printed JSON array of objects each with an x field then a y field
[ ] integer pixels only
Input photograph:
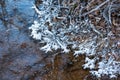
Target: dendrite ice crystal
[{"x": 60, "y": 26}]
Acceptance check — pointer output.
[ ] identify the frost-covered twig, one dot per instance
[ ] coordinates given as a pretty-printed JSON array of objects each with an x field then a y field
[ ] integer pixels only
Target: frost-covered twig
[
  {"x": 60, "y": 28},
  {"x": 98, "y": 7}
]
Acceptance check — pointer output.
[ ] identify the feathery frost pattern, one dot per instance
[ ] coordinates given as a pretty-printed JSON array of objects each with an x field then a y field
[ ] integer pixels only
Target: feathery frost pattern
[{"x": 60, "y": 26}]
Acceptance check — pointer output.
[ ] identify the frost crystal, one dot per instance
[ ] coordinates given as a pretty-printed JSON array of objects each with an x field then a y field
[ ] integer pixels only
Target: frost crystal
[
  {"x": 59, "y": 26},
  {"x": 90, "y": 63}
]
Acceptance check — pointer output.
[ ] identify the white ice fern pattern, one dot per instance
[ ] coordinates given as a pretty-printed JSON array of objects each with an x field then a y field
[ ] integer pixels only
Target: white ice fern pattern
[{"x": 65, "y": 34}]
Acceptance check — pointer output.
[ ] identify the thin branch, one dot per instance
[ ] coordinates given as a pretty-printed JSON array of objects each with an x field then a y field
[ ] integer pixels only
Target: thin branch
[
  {"x": 96, "y": 8},
  {"x": 109, "y": 11}
]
